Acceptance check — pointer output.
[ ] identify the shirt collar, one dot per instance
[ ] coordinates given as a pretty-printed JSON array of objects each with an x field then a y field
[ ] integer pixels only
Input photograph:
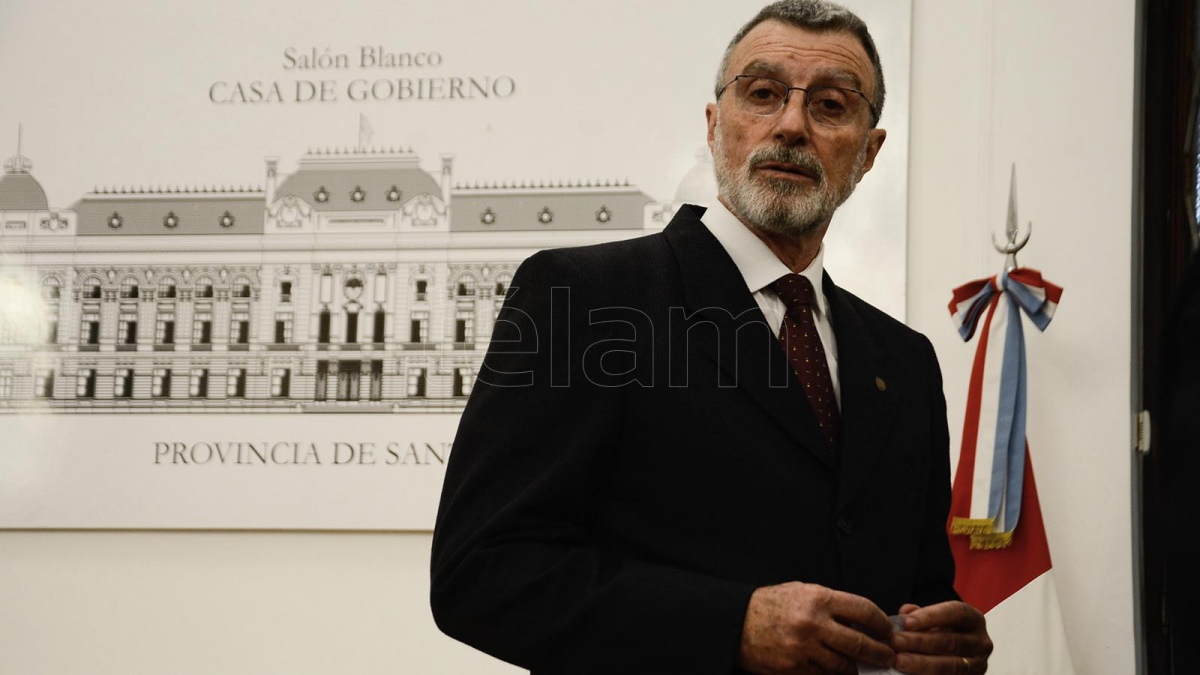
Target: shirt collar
[{"x": 756, "y": 262}]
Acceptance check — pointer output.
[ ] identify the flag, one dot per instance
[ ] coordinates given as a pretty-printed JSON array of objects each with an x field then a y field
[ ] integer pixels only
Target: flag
[
  {"x": 365, "y": 131},
  {"x": 996, "y": 530}
]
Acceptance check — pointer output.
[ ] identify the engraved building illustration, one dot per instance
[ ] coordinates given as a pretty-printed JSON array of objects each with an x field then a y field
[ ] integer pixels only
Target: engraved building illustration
[{"x": 359, "y": 282}]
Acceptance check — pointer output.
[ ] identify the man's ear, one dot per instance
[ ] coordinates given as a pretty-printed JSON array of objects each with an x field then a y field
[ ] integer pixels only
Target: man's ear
[
  {"x": 875, "y": 139},
  {"x": 710, "y": 114}
]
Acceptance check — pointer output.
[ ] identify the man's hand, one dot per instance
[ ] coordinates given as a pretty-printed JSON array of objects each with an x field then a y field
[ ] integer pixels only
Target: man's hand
[
  {"x": 804, "y": 628},
  {"x": 949, "y": 638}
]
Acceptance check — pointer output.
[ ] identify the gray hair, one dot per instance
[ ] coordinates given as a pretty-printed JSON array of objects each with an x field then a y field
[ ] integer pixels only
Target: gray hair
[{"x": 819, "y": 16}]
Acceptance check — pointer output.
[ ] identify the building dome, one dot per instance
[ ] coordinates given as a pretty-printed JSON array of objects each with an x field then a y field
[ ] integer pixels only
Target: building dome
[
  {"x": 698, "y": 185},
  {"x": 19, "y": 191}
]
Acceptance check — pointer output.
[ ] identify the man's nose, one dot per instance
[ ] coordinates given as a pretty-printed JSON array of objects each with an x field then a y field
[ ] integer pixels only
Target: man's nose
[{"x": 792, "y": 124}]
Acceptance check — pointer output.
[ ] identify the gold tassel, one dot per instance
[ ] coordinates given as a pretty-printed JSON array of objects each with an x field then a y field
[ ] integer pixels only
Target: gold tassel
[
  {"x": 991, "y": 541},
  {"x": 972, "y": 526}
]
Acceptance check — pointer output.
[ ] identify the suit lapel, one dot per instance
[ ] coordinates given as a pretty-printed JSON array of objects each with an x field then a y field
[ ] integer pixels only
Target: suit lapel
[
  {"x": 868, "y": 394},
  {"x": 739, "y": 340}
]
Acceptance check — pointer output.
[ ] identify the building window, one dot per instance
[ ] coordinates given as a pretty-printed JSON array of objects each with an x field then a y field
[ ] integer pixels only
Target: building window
[
  {"x": 166, "y": 289},
  {"x": 51, "y": 289},
  {"x": 91, "y": 289},
  {"x": 351, "y": 326},
  {"x": 327, "y": 288},
  {"x": 466, "y": 287},
  {"x": 501, "y": 288},
  {"x": 348, "y": 380},
  {"x": 464, "y": 327},
  {"x": 283, "y": 327},
  {"x": 381, "y": 284},
  {"x": 463, "y": 381},
  {"x": 416, "y": 382},
  {"x": 323, "y": 324},
  {"x": 198, "y": 386},
  {"x": 422, "y": 290},
  {"x": 376, "y": 380},
  {"x": 241, "y": 289},
  {"x": 235, "y": 386},
  {"x": 89, "y": 330},
  {"x": 85, "y": 384},
  {"x": 204, "y": 288},
  {"x": 202, "y": 329},
  {"x": 43, "y": 384},
  {"x": 127, "y": 329},
  {"x": 322, "y": 381},
  {"x": 129, "y": 288},
  {"x": 52, "y": 332},
  {"x": 6, "y": 381},
  {"x": 281, "y": 382},
  {"x": 160, "y": 384},
  {"x": 377, "y": 330},
  {"x": 239, "y": 328},
  {"x": 285, "y": 291},
  {"x": 164, "y": 330},
  {"x": 419, "y": 328},
  {"x": 123, "y": 383}
]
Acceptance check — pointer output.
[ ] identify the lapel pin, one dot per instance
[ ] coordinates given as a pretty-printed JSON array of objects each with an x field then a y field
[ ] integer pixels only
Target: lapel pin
[{"x": 880, "y": 384}]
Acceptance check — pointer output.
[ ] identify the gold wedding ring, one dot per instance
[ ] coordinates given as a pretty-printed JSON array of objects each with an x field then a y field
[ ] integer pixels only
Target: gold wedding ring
[{"x": 966, "y": 665}]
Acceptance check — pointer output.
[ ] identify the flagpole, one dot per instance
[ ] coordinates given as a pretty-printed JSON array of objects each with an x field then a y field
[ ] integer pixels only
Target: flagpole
[{"x": 997, "y": 535}]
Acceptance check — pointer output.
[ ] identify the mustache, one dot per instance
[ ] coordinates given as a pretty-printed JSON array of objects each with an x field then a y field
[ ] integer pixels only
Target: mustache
[{"x": 789, "y": 155}]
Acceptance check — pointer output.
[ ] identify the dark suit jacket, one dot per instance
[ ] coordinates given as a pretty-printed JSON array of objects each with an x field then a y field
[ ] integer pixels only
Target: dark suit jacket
[{"x": 636, "y": 458}]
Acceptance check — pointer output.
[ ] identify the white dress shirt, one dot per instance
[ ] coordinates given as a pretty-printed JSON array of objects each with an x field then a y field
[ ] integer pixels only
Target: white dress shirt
[{"x": 760, "y": 268}]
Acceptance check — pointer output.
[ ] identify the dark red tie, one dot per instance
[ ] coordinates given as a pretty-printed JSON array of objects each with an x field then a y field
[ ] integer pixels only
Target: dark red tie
[{"x": 805, "y": 352}]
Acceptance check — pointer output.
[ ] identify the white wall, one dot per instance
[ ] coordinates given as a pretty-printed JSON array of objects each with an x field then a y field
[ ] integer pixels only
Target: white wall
[
  {"x": 1048, "y": 85},
  {"x": 125, "y": 603}
]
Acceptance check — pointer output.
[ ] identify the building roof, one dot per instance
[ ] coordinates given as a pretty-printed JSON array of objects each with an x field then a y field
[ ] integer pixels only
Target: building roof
[
  {"x": 698, "y": 185},
  {"x": 375, "y": 174},
  {"x": 573, "y": 207},
  {"x": 170, "y": 213},
  {"x": 22, "y": 192}
]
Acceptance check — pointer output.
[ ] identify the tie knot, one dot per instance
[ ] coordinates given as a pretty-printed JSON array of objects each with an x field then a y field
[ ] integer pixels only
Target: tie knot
[{"x": 795, "y": 290}]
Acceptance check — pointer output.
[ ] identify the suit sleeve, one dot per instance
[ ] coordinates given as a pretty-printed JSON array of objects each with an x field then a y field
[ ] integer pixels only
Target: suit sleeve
[
  {"x": 514, "y": 570},
  {"x": 935, "y": 568}
]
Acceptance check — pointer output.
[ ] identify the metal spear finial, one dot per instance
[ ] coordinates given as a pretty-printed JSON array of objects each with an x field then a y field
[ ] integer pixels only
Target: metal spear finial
[{"x": 1011, "y": 230}]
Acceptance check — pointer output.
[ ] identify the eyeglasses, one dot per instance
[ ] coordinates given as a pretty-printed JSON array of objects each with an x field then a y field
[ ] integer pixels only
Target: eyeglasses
[{"x": 828, "y": 106}]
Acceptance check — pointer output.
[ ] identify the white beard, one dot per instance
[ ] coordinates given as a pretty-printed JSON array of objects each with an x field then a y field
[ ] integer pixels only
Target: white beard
[{"x": 780, "y": 206}]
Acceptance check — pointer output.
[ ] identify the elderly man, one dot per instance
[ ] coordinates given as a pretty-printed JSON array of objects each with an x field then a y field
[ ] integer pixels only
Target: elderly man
[{"x": 692, "y": 452}]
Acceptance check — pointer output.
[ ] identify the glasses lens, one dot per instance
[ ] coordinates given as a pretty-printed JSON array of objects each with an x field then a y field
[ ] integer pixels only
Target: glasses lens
[
  {"x": 834, "y": 106},
  {"x": 760, "y": 95},
  {"x": 829, "y": 106}
]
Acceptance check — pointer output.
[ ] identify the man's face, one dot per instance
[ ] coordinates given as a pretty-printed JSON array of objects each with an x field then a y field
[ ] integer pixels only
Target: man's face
[{"x": 785, "y": 173}]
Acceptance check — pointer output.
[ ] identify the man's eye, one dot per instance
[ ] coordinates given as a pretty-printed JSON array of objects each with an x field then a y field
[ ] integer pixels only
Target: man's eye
[
  {"x": 761, "y": 91},
  {"x": 829, "y": 102}
]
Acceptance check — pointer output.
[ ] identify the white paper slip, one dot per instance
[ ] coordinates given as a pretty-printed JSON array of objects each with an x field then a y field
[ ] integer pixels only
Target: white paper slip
[{"x": 867, "y": 669}]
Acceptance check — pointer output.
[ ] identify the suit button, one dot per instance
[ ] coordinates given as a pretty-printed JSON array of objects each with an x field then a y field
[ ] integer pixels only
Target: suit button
[{"x": 844, "y": 525}]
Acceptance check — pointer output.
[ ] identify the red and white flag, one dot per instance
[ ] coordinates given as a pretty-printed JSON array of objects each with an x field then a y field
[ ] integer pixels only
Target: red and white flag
[{"x": 997, "y": 534}]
